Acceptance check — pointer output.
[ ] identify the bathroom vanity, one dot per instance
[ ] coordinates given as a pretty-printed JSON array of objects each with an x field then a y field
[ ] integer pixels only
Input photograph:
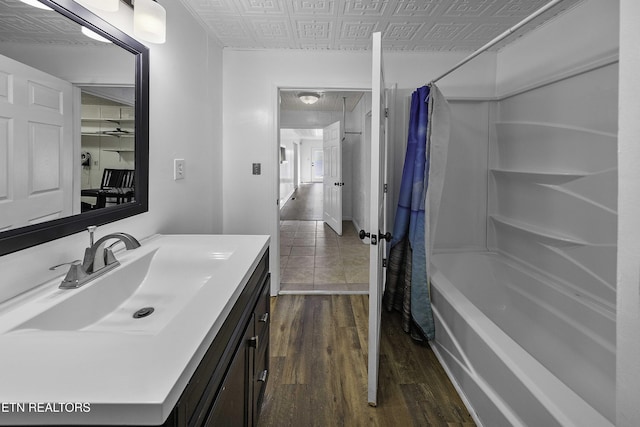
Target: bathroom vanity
[
  {"x": 228, "y": 386},
  {"x": 200, "y": 357}
]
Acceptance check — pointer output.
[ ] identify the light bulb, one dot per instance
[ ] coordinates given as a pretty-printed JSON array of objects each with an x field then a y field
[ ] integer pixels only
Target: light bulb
[
  {"x": 93, "y": 35},
  {"x": 36, "y": 3},
  {"x": 149, "y": 21}
]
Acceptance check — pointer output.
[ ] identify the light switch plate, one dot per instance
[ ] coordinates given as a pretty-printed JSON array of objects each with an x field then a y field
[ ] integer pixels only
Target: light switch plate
[
  {"x": 257, "y": 168},
  {"x": 178, "y": 169}
]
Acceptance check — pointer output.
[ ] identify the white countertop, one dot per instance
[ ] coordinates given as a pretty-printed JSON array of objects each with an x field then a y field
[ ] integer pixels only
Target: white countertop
[{"x": 121, "y": 377}]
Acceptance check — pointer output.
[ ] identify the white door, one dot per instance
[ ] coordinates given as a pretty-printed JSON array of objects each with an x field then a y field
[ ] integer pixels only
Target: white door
[
  {"x": 317, "y": 164},
  {"x": 36, "y": 146},
  {"x": 332, "y": 176},
  {"x": 377, "y": 212}
]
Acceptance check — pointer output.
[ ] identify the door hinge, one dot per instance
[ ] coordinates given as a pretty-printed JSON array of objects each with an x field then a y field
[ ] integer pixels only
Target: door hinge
[
  {"x": 384, "y": 262},
  {"x": 386, "y": 188},
  {"x": 386, "y": 112}
]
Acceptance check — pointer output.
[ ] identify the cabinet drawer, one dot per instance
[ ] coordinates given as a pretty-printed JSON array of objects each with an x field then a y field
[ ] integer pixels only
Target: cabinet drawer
[
  {"x": 263, "y": 312},
  {"x": 261, "y": 366},
  {"x": 229, "y": 406}
]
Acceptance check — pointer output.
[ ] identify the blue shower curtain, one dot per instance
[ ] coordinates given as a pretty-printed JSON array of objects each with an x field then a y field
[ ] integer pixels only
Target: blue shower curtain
[{"x": 407, "y": 288}]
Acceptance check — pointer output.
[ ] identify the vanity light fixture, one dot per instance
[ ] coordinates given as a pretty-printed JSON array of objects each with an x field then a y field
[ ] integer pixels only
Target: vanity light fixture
[
  {"x": 36, "y": 3},
  {"x": 309, "y": 97},
  {"x": 149, "y": 21},
  {"x": 149, "y": 17},
  {"x": 106, "y": 5}
]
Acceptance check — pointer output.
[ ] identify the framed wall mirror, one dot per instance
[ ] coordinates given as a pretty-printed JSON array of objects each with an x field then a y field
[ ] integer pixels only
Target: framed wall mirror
[{"x": 74, "y": 122}]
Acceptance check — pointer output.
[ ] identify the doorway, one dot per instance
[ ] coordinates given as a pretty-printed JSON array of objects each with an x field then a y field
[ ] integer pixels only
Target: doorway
[
  {"x": 317, "y": 164},
  {"x": 313, "y": 257}
]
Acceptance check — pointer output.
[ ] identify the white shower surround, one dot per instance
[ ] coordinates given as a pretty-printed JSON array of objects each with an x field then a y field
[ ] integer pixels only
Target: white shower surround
[
  {"x": 531, "y": 322},
  {"x": 527, "y": 329}
]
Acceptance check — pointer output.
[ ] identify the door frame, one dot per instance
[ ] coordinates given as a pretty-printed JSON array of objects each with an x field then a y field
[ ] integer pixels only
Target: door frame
[{"x": 363, "y": 86}]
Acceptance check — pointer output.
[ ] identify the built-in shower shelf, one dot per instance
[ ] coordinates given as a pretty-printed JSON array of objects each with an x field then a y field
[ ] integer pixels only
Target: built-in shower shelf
[
  {"x": 549, "y": 236},
  {"x": 540, "y": 176}
]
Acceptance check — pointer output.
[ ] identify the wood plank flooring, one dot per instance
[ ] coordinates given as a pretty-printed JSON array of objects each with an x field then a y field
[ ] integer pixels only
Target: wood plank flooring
[{"x": 319, "y": 370}]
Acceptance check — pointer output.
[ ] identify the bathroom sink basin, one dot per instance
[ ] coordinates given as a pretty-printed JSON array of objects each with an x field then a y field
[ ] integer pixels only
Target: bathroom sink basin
[{"x": 156, "y": 280}]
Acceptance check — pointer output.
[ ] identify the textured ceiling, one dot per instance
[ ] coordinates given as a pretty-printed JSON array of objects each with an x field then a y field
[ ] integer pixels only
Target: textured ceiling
[
  {"x": 21, "y": 23},
  {"x": 406, "y": 25}
]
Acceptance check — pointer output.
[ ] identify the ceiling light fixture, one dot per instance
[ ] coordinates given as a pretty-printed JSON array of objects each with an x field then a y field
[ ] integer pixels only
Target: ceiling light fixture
[
  {"x": 309, "y": 97},
  {"x": 149, "y": 21},
  {"x": 36, "y": 3},
  {"x": 106, "y": 5}
]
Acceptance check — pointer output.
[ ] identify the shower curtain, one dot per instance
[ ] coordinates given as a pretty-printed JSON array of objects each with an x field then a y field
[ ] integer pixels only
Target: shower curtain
[{"x": 408, "y": 274}]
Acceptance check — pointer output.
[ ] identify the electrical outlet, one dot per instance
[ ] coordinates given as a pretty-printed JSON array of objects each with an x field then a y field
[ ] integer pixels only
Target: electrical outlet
[
  {"x": 256, "y": 168},
  {"x": 178, "y": 169}
]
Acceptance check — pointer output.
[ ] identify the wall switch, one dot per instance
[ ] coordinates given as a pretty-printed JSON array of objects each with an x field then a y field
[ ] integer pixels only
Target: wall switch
[
  {"x": 178, "y": 169},
  {"x": 257, "y": 168}
]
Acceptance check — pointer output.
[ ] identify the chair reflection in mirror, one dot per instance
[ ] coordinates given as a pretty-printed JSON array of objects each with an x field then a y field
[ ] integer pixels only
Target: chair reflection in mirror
[{"x": 117, "y": 186}]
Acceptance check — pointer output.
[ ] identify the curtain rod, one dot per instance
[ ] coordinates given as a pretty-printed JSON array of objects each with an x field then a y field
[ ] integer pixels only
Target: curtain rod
[{"x": 499, "y": 38}]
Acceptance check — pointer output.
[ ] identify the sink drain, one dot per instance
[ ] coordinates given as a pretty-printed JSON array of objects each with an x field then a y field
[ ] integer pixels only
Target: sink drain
[{"x": 143, "y": 312}]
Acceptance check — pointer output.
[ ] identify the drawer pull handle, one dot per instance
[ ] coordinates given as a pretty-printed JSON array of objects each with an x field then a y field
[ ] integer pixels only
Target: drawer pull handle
[
  {"x": 263, "y": 376},
  {"x": 253, "y": 342},
  {"x": 264, "y": 318}
]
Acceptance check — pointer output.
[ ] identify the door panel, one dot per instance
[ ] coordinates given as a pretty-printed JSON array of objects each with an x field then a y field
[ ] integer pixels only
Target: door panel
[
  {"x": 332, "y": 176},
  {"x": 36, "y": 146},
  {"x": 377, "y": 211}
]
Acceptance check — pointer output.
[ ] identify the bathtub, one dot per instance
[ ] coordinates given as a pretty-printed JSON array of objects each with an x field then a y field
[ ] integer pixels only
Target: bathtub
[{"x": 521, "y": 349}]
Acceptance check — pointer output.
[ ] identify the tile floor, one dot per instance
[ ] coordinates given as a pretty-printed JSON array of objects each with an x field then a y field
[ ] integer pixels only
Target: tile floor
[{"x": 314, "y": 259}]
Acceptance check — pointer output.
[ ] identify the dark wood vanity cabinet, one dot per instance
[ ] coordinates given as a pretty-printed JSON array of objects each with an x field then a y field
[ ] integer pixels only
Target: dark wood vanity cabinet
[{"x": 228, "y": 385}]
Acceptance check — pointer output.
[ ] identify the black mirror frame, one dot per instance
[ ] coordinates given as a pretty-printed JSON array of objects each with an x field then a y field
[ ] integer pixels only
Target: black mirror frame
[{"x": 32, "y": 235}]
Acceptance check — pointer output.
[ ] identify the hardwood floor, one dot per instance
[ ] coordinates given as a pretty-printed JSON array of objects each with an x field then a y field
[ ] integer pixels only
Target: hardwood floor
[{"x": 319, "y": 370}]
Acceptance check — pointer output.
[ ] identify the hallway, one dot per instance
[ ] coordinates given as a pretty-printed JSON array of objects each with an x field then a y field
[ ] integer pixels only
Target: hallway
[
  {"x": 313, "y": 258},
  {"x": 304, "y": 204}
]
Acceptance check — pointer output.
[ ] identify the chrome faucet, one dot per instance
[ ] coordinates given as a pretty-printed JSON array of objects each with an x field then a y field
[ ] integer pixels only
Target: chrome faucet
[{"x": 98, "y": 259}]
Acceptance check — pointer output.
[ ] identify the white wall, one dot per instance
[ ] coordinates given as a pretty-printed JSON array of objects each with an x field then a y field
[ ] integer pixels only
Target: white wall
[
  {"x": 628, "y": 306},
  {"x": 185, "y": 122}
]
